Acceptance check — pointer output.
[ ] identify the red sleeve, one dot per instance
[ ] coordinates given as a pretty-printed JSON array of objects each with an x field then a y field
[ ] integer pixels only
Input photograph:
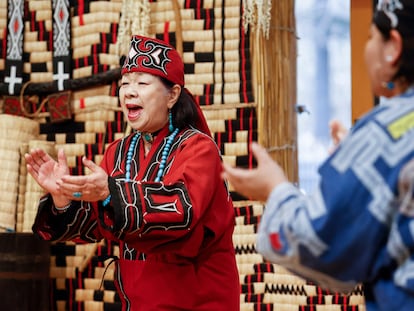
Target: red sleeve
[{"x": 77, "y": 224}]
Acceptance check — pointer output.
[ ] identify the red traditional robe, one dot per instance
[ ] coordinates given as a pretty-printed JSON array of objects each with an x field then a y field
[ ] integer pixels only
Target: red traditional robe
[{"x": 175, "y": 236}]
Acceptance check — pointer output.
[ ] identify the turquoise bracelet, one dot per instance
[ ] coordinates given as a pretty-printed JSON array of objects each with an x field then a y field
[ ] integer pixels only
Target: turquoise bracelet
[{"x": 106, "y": 201}]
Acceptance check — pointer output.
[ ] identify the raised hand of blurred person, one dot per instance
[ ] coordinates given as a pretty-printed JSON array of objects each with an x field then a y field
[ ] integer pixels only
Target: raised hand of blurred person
[
  {"x": 257, "y": 183},
  {"x": 338, "y": 131}
]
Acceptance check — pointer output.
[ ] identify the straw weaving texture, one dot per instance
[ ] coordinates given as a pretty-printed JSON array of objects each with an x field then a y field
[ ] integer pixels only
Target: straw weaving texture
[{"x": 14, "y": 132}]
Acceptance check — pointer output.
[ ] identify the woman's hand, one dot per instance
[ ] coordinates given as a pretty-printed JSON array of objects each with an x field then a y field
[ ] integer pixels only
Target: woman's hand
[
  {"x": 90, "y": 187},
  {"x": 45, "y": 170},
  {"x": 258, "y": 183}
]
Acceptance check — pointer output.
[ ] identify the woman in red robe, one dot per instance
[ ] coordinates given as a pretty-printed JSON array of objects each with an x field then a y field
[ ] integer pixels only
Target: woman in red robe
[{"x": 157, "y": 192}]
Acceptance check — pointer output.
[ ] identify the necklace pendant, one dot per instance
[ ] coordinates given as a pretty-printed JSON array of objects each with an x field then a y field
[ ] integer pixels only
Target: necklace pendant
[{"x": 149, "y": 138}]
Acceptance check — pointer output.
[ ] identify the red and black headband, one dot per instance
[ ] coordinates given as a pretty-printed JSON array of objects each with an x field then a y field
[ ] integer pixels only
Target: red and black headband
[
  {"x": 156, "y": 57},
  {"x": 395, "y": 14}
]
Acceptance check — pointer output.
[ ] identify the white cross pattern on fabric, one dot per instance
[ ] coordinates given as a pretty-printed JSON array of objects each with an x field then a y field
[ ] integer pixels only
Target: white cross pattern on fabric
[
  {"x": 61, "y": 76},
  {"x": 12, "y": 80}
]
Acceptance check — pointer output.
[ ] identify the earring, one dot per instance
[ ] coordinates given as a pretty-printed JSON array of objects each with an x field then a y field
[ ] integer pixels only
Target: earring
[
  {"x": 388, "y": 85},
  {"x": 170, "y": 122},
  {"x": 388, "y": 58}
]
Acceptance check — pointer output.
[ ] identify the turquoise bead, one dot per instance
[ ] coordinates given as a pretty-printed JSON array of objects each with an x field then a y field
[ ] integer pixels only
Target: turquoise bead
[{"x": 130, "y": 153}]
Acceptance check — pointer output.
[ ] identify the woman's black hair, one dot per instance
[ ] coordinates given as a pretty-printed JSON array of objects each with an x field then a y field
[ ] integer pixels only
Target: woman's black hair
[
  {"x": 184, "y": 112},
  {"x": 405, "y": 27}
]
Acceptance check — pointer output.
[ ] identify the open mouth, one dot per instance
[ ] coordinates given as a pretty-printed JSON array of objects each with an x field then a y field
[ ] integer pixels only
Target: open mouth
[{"x": 134, "y": 111}]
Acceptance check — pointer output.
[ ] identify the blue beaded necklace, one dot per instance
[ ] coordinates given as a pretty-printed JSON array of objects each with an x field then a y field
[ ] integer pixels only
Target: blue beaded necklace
[
  {"x": 130, "y": 153},
  {"x": 164, "y": 155}
]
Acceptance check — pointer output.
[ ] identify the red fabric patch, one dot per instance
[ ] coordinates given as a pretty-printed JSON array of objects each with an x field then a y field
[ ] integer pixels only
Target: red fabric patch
[
  {"x": 11, "y": 105},
  {"x": 59, "y": 106},
  {"x": 275, "y": 241}
]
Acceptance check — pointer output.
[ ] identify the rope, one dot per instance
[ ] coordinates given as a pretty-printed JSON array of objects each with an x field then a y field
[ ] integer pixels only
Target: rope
[{"x": 23, "y": 108}]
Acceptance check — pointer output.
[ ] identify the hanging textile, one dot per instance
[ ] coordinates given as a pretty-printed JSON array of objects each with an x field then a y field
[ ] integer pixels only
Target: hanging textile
[
  {"x": 61, "y": 43},
  {"x": 14, "y": 64}
]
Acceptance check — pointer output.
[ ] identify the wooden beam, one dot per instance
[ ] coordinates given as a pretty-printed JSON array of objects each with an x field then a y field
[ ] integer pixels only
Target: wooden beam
[
  {"x": 362, "y": 99},
  {"x": 46, "y": 88}
]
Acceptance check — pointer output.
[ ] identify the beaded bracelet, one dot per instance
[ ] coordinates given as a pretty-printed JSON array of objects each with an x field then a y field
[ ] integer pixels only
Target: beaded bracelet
[
  {"x": 107, "y": 200},
  {"x": 64, "y": 208}
]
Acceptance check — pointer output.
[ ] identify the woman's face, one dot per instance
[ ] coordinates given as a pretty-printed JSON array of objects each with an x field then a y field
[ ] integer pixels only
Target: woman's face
[
  {"x": 380, "y": 61},
  {"x": 145, "y": 101}
]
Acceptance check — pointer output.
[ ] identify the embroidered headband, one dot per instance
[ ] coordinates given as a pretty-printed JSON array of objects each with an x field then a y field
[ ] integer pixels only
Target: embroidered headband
[
  {"x": 388, "y": 7},
  {"x": 395, "y": 14},
  {"x": 156, "y": 57}
]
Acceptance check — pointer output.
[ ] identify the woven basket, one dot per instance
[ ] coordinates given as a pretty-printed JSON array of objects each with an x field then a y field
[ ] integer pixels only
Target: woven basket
[{"x": 14, "y": 132}]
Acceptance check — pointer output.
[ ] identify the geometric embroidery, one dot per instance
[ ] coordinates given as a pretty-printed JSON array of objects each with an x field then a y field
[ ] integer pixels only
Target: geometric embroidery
[
  {"x": 61, "y": 43},
  {"x": 59, "y": 106},
  {"x": 61, "y": 28},
  {"x": 15, "y": 30},
  {"x": 15, "y": 27}
]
